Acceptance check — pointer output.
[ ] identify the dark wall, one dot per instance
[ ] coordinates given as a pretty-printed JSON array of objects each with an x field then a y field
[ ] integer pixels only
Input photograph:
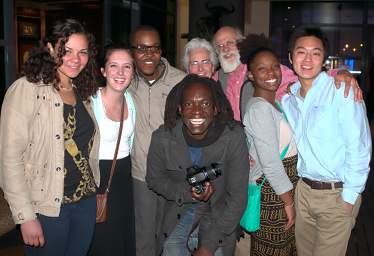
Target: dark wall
[
  {"x": 91, "y": 17},
  {"x": 206, "y": 16},
  {"x": 123, "y": 17}
]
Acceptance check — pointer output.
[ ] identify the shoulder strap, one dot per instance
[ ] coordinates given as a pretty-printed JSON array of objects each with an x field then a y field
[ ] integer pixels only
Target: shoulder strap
[
  {"x": 117, "y": 147},
  {"x": 284, "y": 151},
  {"x": 277, "y": 104}
]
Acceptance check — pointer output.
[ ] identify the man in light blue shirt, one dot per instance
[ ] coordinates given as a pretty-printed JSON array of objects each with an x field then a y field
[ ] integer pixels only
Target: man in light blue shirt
[{"x": 334, "y": 144}]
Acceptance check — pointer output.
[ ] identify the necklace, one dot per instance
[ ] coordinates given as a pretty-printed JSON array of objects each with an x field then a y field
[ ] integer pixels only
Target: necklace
[
  {"x": 65, "y": 89},
  {"x": 69, "y": 85}
]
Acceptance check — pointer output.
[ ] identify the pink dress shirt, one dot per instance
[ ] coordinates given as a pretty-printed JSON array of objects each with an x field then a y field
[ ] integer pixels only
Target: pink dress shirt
[{"x": 234, "y": 84}]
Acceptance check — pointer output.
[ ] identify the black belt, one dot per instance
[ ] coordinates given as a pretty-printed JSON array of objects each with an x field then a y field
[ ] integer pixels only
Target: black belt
[{"x": 314, "y": 184}]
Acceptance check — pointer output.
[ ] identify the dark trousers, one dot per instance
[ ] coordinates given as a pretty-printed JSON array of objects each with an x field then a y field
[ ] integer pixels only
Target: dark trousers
[{"x": 70, "y": 233}]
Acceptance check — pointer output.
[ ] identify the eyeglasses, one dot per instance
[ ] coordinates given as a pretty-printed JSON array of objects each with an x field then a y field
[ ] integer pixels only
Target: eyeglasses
[
  {"x": 228, "y": 44},
  {"x": 197, "y": 63},
  {"x": 142, "y": 49}
]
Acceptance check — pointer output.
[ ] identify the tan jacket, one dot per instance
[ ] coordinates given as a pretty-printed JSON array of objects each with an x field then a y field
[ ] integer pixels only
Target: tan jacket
[
  {"x": 150, "y": 107},
  {"x": 32, "y": 150}
]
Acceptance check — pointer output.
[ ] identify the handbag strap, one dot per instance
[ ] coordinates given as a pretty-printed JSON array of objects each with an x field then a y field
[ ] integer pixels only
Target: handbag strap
[
  {"x": 284, "y": 152},
  {"x": 277, "y": 104},
  {"x": 117, "y": 148}
]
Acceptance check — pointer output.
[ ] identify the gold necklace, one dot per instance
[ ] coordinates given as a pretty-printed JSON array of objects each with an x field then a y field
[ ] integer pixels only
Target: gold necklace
[{"x": 65, "y": 88}]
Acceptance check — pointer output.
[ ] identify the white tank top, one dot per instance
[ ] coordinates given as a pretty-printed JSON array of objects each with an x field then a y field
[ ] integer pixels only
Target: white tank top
[{"x": 109, "y": 133}]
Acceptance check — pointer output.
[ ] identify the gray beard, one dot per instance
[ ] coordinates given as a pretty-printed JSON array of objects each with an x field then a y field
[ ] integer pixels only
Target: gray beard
[{"x": 227, "y": 66}]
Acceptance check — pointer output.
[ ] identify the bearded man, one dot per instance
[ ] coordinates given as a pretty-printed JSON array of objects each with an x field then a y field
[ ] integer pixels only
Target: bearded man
[{"x": 233, "y": 73}]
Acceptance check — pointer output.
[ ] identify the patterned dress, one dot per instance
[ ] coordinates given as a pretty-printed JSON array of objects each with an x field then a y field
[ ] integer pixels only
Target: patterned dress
[{"x": 271, "y": 238}]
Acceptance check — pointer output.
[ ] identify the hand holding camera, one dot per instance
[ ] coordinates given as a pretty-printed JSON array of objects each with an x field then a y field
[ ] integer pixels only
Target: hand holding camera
[
  {"x": 205, "y": 195},
  {"x": 199, "y": 177}
]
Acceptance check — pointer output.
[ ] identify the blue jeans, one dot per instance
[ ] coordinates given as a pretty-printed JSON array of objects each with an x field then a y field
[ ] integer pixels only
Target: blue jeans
[
  {"x": 175, "y": 244},
  {"x": 70, "y": 233}
]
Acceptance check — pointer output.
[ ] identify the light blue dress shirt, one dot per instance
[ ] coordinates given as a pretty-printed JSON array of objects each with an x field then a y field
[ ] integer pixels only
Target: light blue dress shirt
[{"x": 332, "y": 135}]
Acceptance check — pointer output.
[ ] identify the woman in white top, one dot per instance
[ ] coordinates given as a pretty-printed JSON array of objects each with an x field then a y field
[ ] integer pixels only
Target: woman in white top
[
  {"x": 274, "y": 152},
  {"x": 116, "y": 235}
]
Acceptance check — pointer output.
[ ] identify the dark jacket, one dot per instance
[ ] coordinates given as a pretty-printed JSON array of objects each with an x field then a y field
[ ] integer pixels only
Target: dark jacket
[{"x": 168, "y": 159}]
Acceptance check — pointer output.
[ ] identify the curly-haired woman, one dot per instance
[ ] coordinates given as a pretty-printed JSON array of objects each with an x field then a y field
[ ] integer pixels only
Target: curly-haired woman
[{"x": 49, "y": 144}]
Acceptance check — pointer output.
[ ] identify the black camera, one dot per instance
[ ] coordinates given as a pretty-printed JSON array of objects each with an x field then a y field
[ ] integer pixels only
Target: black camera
[{"x": 196, "y": 176}]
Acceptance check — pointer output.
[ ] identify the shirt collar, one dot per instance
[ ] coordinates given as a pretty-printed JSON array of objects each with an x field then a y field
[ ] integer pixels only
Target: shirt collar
[
  {"x": 316, "y": 95},
  {"x": 317, "y": 82},
  {"x": 164, "y": 64}
]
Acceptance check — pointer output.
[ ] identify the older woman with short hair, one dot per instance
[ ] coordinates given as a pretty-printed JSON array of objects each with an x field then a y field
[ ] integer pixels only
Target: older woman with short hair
[{"x": 199, "y": 58}]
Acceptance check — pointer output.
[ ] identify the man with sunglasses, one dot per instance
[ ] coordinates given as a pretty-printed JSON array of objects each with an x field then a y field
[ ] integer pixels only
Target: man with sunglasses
[{"x": 154, "y": 78}]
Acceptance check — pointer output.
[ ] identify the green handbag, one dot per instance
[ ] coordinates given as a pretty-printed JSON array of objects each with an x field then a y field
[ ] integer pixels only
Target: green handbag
[{"x": 250, "y": 220}]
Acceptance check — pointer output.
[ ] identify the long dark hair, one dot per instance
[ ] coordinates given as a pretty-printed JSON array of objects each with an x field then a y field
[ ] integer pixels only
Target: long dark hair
[
  {"x": 42, "y": 67},
  {"x": 174, "y": 99}
]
